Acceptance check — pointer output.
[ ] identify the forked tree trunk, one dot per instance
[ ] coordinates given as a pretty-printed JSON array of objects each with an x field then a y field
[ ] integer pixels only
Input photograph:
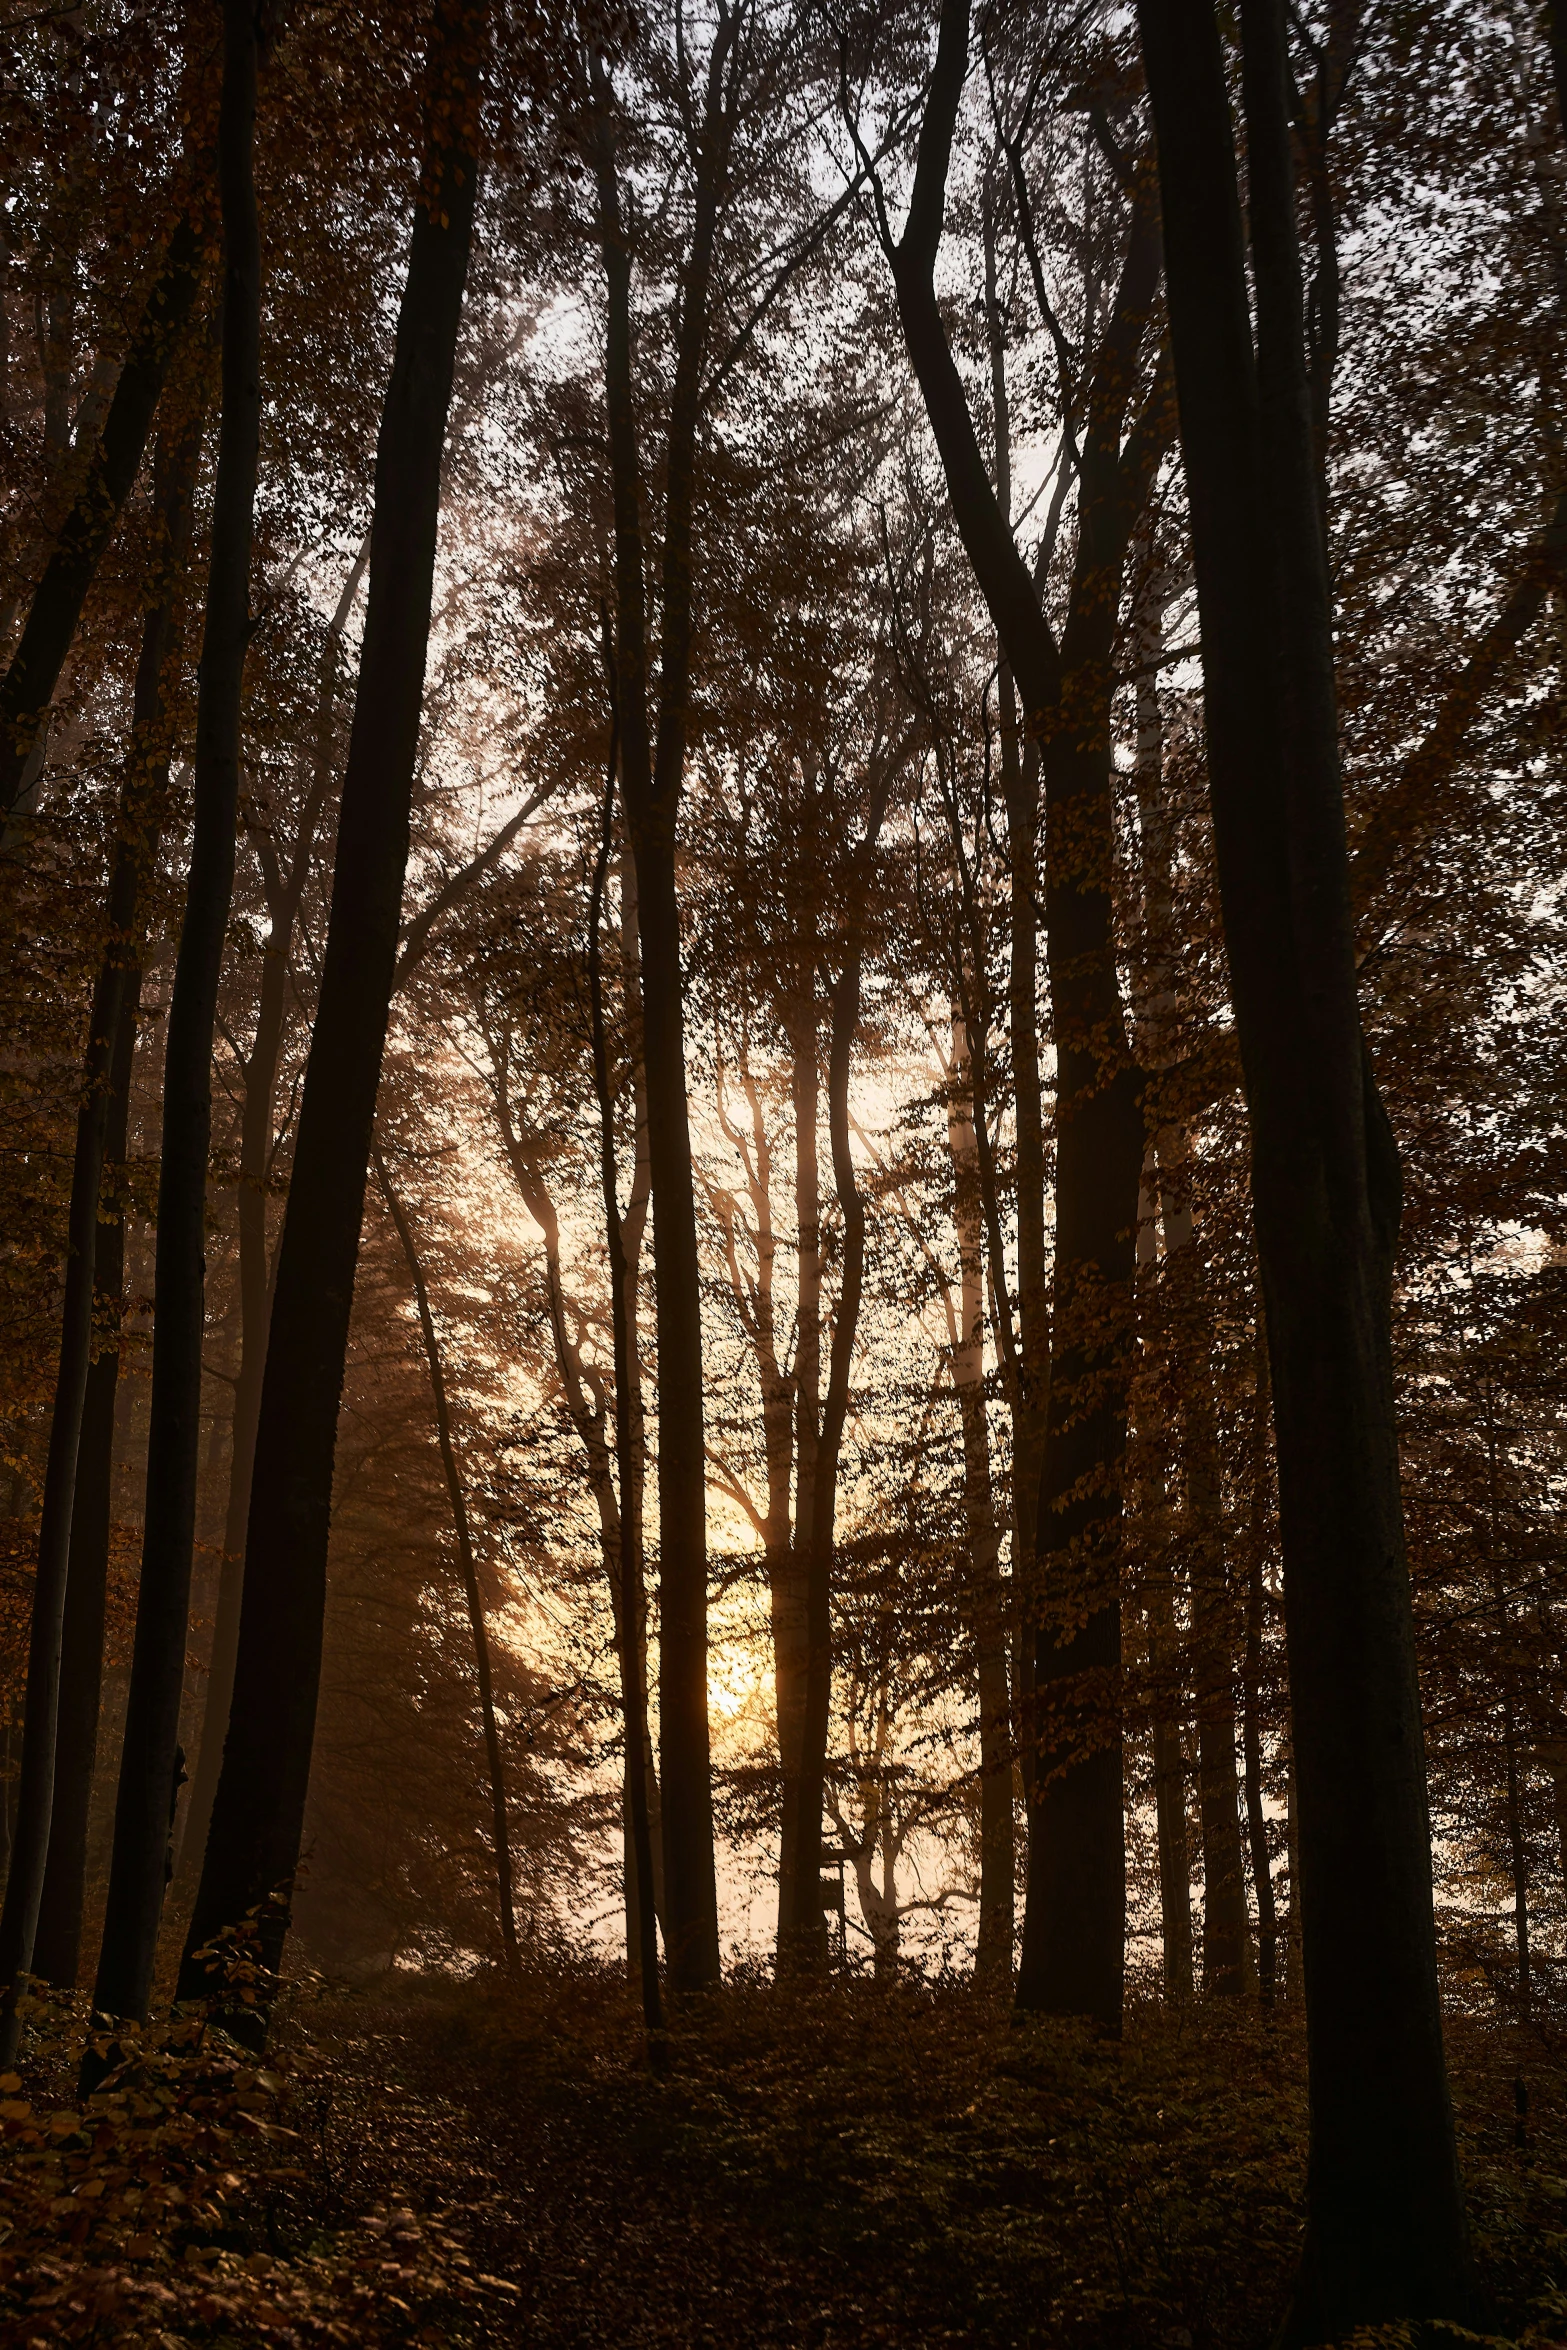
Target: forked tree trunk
[
  {"x": 143, "y": 806},
  {"x": 258, "y": 1813},
  {"x": 500, "y": 1834},
  {"x": 1386, "y": 2238},
  {"x": 1075, "y": 1920},
  {"x": 150, "y": 1763}
]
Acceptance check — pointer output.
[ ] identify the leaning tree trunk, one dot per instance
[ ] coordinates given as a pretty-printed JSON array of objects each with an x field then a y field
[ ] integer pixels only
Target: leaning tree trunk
[
  {"x": 143, "y": 805},
  {"x": 505, "y": 1889},
  {"x": 151, "y": 1767},
  {"x": 260, "y": 1078},
  {"x": 258, "y": 1813},
  {"x": 1385, "y": 2232}
]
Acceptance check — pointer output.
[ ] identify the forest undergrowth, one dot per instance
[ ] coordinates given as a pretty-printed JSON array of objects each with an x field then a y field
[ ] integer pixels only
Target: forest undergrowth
[{"x": 467, "y": 2164}]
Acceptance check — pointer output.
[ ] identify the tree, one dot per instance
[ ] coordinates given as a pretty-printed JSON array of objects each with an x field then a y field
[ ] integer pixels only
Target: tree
[
  {"x": 1385, "y": 2229},
  {"x": 253, "y": 1843}
]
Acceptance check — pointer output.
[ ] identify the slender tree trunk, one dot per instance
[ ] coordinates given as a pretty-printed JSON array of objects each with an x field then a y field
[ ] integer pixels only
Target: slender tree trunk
[
  {"x": 143, "y": 805},
  {"x": 257, "y": 1118},
  {"x": 1226, "y": 1942},
  {"x": 505, "y": 1891},
  {"x": 986, "y": 1606},
  {"x": 1020, "y": 792},
  {"x": 1385, "y": 2232},
  {"x": 34, "y": 672},
  {"x": 1518, "y": 1859},
  {"x": 258, "y": 1813},
  {"x": 1164, "y": 1679},
  {"x": 151, "y": 1766},
  {"x": 631, "y": 1599},
  {"x": 806, "y": 1937},
  {"x": 790, "y": 1634}
]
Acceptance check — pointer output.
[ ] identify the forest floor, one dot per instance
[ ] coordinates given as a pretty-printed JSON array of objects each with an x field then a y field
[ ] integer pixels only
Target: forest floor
[{"x": 464, "y": 2166}]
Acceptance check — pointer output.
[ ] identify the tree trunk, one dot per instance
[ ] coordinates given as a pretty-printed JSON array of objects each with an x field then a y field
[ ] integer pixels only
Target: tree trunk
[
  {"x": 1075, "y": 1919},
  {"x": 143, "y": 806},
  {"x": 151, "y": 1766},
  {"x": 256, "y": 1143},
  {"x": 1226, "y": 1941},
  {"x": 258, "y": 1813},
  {"x": 505, "y": 1891},
  {"x": 651, "y": 782},
  {"x": 986, "y": 1606},
  {"x": 1256, "y": 1817},
  {"x": 806, "y": 1941},
  {"x": 1385, "y": 2236},
  {"x": 790, "y": 1635},
  {"x": 630, "y": 1594},
  {"x": 1020, "y": 792},
  {"x": 34, "y": 671}
]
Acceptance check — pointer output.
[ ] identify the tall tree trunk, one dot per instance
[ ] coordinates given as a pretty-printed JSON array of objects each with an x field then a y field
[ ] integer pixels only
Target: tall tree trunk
[
  {"x": 285, "y": 895},
  {"x": 151, "y": 1765},
  {"x": 806, "y": 1939},
  {"x": 986, "y": 1606},
  {"x": 34, "y": 671},
  {"x": 1075, "y": 1920},
  {"x": 143, "y": 806},
  {"x": 505, "y": 1890},
  {"x": 1385, "y": 2233},
  {"x": 790, "y": 1605},
  {"x": 1226, "y": 1942},
  {"x": 652, "y": 774},
  {"x": 258, "y": 1813},
  {"x": 630, "y": 1595},
  {"x": 1164, "y": 1681},
  {"x": 1020, "y": 793}
]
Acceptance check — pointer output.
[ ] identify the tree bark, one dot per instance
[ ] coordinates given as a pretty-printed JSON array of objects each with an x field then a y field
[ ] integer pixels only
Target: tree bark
[
  {"x": 1385, "y": 2235},
  {"x": 34, "y": 671},
  {"x": 151, "y": 1766},
  {"x": 143, "y": 807},
  {"x": 258, "y": 1813},
  {"x": 505, "y": 1891}
]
